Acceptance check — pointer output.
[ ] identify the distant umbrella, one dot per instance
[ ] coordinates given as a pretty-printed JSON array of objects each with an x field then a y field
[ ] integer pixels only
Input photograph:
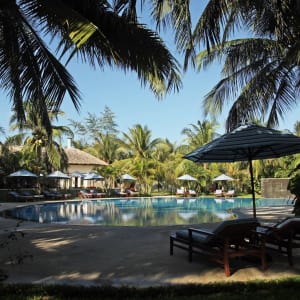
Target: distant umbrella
[
  {"x": 223, "y": 177},
  {"x": 58, "y": 175},
  {"x": 77, "y": 174},
  {"x": 23, "y": 178},
  {"x": 22, "y": 173},
  {"x": 246, "y": 143},
  {"x": 187, "y": 177},
  {"x": 93, "y": 176},
  {"x": 127, "y": 177}
]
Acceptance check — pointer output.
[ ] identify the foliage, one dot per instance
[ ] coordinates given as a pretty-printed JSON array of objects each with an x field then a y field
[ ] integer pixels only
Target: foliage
[
  {"x": 260, "y": 70},
  {"x": 93, "y": 31},
  {"x": 294, "y": 188},
  {"x": 256, "y": 42},
  {"x": 41, "y": 152},
  {"x": 285, "y": 288},
  {"x": 156, "y": 163}
]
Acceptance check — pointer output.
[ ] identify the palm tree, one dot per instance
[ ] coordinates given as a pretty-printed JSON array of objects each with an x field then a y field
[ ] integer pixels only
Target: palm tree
[
  {"x": 37, "y": 143},
  {"x": 93, "y": 31},
  {"x": 107, "y": 147},
  {"x": 138, "y": 142},
  {"x": 260, "y": 72},
  {"x": 201, "y": 133}
]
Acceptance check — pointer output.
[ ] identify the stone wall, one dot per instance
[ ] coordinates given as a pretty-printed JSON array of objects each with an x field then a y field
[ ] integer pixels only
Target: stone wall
[{"x": 275, "y": 188}]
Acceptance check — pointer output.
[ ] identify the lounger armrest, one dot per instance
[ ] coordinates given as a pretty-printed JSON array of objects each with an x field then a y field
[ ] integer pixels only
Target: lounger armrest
[
  {"x": 202, "y": 231},
  {"x": 264, "y": 230}
]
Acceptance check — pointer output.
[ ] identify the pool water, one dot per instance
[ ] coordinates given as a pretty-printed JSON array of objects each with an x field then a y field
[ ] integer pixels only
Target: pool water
[{"x": 154, "y": 211}]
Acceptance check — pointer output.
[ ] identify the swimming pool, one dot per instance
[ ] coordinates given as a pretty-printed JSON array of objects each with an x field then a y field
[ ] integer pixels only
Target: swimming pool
[{"x": 152, "y": 211}]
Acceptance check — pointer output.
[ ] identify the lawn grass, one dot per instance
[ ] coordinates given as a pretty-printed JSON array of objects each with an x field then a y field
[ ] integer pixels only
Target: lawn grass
[{"x": 276, "y": 289}]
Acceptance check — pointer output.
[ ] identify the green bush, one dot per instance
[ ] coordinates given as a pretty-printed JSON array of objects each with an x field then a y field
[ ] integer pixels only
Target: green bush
[{"x": 294, "y": 188}]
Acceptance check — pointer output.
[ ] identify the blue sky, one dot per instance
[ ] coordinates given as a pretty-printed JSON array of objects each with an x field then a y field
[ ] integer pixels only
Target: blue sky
[{"x": 134, "y": 104}]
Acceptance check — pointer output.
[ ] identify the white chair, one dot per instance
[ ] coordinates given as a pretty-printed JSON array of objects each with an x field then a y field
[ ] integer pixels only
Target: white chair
[
  {"x": 180, "y": 192},
  {"x": 230, "y": 193},
  {"x": 192, "y": 193},
  {"x": 218, "y": 193}
]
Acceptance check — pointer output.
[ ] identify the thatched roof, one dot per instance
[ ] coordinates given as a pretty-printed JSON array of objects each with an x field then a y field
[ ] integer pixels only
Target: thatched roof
[
  {"x": 79, "y": 157},
  {"x": 75, "y": 156}
]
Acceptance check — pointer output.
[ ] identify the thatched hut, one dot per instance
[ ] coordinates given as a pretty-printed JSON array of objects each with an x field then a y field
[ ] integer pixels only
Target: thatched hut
[{"x": 81, "y": 161}]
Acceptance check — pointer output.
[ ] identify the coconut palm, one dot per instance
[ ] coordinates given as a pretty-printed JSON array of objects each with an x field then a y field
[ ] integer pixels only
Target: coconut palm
[
  {"x": 106, "y": 147},
  {"x": 261, "y": 70},
  {"x": 37, "y": 143},
  {"x": 138, "y": 141},
  {"x": 201, "y": 133},
  {"x": 89, "y": 29}
]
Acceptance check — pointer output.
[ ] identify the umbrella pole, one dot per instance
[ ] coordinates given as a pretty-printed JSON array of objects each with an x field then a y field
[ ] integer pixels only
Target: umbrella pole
[{"x": 252, "y": 188}]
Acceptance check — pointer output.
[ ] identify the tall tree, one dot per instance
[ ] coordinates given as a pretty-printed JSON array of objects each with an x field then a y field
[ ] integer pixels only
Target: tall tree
[
  {"x": 93, "y": 31},
  {"x": 37, "y": 143},
  {"x": 108, "y": 123},
  {"x": 138, "y": 141},
  {"x": 260, "y": 71},
  {"x": 106, "y": 147},
  {"x": 201, "y": 133}
]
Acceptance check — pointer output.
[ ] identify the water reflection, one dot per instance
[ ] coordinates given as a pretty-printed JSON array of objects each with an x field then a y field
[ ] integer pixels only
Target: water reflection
[{"x": 138, "y": 211}]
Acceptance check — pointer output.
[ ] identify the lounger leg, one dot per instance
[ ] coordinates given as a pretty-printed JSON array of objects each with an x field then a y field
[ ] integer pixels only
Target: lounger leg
[
  {"x": 226, "y": 259},
  {"x": 290, "y": 251},
  {"x": 171, "y": 246},
  {"x": 190, "y": 253},
  {"x": 263, "y": 256},
  {"x": 190, "y": 246}
]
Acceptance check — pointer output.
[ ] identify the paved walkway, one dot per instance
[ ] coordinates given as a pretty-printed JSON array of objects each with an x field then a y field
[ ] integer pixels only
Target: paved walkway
[{"x": 134, "y": 256}]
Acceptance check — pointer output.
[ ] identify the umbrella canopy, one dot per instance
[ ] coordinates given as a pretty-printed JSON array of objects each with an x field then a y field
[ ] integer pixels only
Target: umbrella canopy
[
  {"x": 58, "y": 175},
  {"x": 22, "y": 173},
  {"x": 93, "y": 176},
  {"x": 187, "y": 177},
  {"x": 246, "y": 143},
  {"x": 77, "y": 174},
  {"x": 223, "y": 177},
  {"x": 127, "y": 177}
]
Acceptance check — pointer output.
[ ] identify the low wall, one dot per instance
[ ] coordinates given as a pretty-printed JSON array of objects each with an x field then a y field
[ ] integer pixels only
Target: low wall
[{"x": 275, "y": 188}]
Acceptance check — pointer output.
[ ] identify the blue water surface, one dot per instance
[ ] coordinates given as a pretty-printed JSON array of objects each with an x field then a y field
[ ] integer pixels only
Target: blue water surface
[{"x": 152, "y": 211}]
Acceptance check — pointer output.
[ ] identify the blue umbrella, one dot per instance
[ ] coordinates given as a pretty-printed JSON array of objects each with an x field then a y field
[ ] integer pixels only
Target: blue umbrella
[{"x": 246, "y": 143}]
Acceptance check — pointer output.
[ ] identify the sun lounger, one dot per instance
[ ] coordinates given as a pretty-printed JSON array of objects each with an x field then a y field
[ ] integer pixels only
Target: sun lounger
[
  {"x": 234, "y": 238},
  {"x": 131, "y": 193},
  {"x": 283, "y": 236},
  {"x": 16, "y": 196},
  {"x": 180, "y": 192},
  {"x": 85, "y": 194},
  {"x": 33, "y": 195},
  {"x": 229, "y": 193},
  {"x": 96, "y": 193},
  {"x": 52, "y": 195},
  {"x": 119, "y": 193},
  {"x": 218, "y": 193},
  {"x": 192, "y": 193}
]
